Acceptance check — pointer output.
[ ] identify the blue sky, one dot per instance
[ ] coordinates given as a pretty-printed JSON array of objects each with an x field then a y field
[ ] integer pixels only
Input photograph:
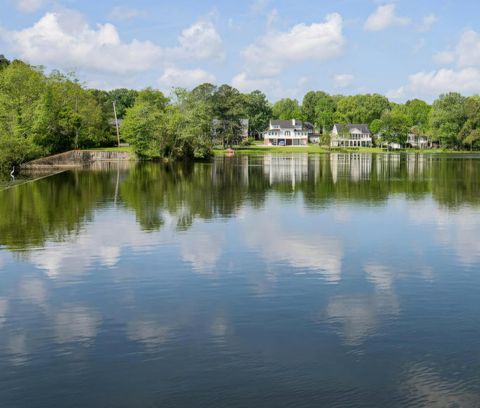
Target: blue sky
[{"x": 402, "y": 49}]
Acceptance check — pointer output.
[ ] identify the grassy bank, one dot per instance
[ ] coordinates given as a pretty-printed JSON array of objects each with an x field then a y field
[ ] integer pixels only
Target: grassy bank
[
  {"x": 128, "y": 149},
  {"x": 257, "y": 149}
]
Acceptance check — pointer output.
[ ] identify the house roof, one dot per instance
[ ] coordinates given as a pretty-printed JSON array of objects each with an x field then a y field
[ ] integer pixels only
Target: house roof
[
  {"x": 287, "y": 124},
  {"x": 360, "y": 126}
]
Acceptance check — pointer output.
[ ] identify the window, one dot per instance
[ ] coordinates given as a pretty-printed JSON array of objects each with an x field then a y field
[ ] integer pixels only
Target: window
[{"x": 287, "y": 133}]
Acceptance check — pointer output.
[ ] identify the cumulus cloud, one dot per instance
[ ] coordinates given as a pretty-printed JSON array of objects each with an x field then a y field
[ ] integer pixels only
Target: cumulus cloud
[
  {"x": 29, "y": 6},
  {"x": 186, "y": 78},
  {"x": 466, "y": 53},
  {"x": 342, "y": 80},
  {"x": 121, "y": 13},
  {"x": 259, "y": 6},
  {"x": 65, "y": 39},
  {"x": 427, "y": 23},
  {"x": 272, "y": 52},
  {"x": 75, "y": 324},
  {"x": 246, "y": 84},
  {"x": 201, "y": 41},
  {"x": 436, "y": 82},
  {"x": 384, "y": 17}
]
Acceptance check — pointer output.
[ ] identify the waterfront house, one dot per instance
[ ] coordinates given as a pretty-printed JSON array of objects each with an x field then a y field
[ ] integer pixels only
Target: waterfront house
[
  {"x": 351, "y": 135},
  {"x": 287, "y": 133},
  {"x": 417, "y": 141}
]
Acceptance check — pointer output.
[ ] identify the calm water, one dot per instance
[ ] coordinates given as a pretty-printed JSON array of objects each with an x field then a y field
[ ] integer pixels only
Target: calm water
[{"x": 269, "y": 281}]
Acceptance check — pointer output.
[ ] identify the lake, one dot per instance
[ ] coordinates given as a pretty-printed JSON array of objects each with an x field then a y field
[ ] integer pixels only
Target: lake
[{"x": 342, "y": 280}]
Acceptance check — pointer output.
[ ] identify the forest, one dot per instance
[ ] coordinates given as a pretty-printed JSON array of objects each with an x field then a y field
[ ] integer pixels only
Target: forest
[{"x": 46, "y": 113}]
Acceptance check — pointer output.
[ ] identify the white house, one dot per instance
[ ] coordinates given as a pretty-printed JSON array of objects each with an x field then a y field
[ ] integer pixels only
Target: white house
[
  {"x": 417, "y": 141},
  {"x": 287, "y": 133},
  {"x": 352, "y": 135}
]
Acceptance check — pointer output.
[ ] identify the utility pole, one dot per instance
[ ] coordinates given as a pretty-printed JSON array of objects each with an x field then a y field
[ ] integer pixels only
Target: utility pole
[{"x": 116, "y": 124}]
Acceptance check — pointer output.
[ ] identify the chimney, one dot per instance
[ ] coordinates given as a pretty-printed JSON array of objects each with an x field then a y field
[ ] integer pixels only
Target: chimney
[{"x": 293, "y": 122}]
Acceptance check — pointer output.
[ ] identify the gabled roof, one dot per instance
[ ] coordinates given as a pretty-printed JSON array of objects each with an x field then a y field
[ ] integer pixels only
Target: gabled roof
[
  {"x": 287, "y": 124},
  {"x": 360, "y": 126}
]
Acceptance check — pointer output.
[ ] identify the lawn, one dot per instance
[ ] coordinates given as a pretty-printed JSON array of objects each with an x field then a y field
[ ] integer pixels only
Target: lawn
[
  {"x": 114, "y": 149},
  {"x": 311, "y": 148}
]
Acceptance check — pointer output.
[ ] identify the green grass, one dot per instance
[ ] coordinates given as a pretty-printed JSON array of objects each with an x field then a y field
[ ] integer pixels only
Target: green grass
[
  {"x": 114, "y": 149},
  {"x": 257, "y": 149}
]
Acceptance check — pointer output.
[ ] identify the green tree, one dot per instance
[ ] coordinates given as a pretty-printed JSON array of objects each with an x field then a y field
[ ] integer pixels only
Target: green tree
[
  {"x": 142, "y": 126},
  {"x": 228, "y": 111},
  {"x": 124, "y": 99},
  {"x": 319, "y": 108},
  {"x": 21, "y": 87},
  {"x": 258, "y": 112},
  {"x": 418, "y": 112},
  {"x": 68, "y": 116},
  {"x": 286, "y": 109},
  {"x": 447, "y": 118},
  {"x": 395, "y": 126},
  {"x": 4, "y": 62}
]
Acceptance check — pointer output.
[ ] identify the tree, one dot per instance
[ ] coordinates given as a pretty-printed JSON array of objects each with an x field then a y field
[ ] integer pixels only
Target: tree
[
  {"x": 395, "y": 126},
  {"x": 360, "y": 108},
  {"x": 286, "y": 109},
  {"x": 68, "y": 116},
  {"x": 3, "y": 62},
  {"x": 124, "y": 99},
  {"x": 143, "y": 125},
  {"x": 447, "y": 118},
  {"x": 196, "y": 126},
  {"x": 418, "y": 112},
  {"x": 470, "y": 133},
  {"x": 21, "y": 87},
  {"x": 228, "y": 111},
  {"x": 319, "y": 108},
  {"x": 258, "y": 112}
]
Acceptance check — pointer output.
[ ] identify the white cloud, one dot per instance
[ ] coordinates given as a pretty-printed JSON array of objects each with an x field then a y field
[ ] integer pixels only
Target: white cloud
[
  {"x": 466, "y": 53},
  {"x": 66, "y": 40},
  {"x": 29, "y": 6},
  {"x": 150, "y": 333},
  {"x": 75, "y": 323},
  {"x": 245, "y": 84},
  {"x": 121, "y": 13},
  {"x": 440, "y": 81},
  {"x": 202, "y": 251},
  {"x": 186, "y": 78},
  {"x": 3, "y": 310},
  {"x": 200, "y": 41},
  {"x": 318, "y": 41},
  {"x": 444, "y": 57},
  {"x": 17, "y": 349},
  {"x": 380, "y": 275},
  {"x": 384, "y": 17},
  {"x": 259, "y": 6},
  {"x": 427, "y": 23},
  {"x": 359, "y": 316},
  {"x": 342, "y": 80},
  {"x": 426, "y": 385}
]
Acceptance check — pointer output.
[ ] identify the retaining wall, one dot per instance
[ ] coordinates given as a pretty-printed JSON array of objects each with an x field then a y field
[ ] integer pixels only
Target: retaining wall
[{"x": 78, "y": 158}]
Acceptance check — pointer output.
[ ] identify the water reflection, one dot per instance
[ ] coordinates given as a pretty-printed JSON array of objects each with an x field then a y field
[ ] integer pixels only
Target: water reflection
[{"x": 312, "y": 274}]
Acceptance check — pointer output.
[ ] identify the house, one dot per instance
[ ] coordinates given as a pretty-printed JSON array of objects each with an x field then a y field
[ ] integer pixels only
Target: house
[
  {"x": 352, "y": 135},
  {"x": 417, "y": 141},
  {"x": 287, "y": 133},
  {"x": 314, "y": 138}
]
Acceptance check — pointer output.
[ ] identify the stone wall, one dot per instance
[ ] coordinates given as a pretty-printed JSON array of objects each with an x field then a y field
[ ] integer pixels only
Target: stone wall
[{"x": 78, "y": 158}]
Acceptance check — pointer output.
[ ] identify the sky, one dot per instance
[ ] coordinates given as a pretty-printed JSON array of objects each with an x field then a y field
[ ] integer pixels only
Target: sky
[{"x": 402, "y": 49}]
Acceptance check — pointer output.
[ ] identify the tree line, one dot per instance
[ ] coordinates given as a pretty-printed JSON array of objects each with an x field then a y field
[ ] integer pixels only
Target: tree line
[{"x": 42, "y": 114}]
